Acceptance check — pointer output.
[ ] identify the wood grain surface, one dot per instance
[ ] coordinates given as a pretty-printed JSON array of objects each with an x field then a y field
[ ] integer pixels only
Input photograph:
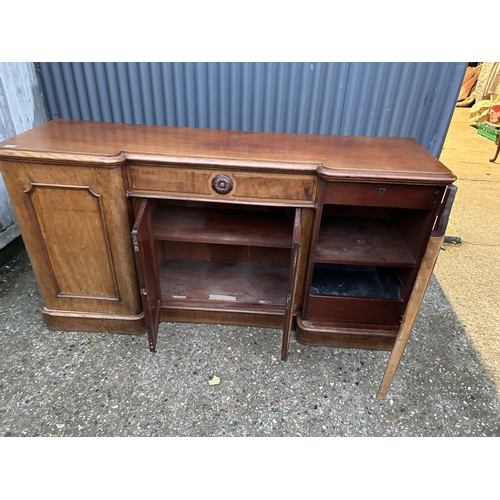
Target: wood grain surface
[{"x": 340, "y": 157}]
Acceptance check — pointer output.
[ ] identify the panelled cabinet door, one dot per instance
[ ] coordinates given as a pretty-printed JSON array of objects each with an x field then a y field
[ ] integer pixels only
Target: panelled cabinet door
[
  {"x": 74, "y": 220},
  {"x": 292, "y": 285},
  {"x": 147, "y": 271}
]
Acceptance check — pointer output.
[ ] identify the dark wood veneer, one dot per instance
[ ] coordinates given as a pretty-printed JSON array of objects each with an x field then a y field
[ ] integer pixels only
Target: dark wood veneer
[
  {"x": 348, "y": 240},
  {"x": 228, "y": 227},
  {"x": 223, "y": 283},
  {"x": 335, "y": 157},
  {"x": 127, "y": 226}
]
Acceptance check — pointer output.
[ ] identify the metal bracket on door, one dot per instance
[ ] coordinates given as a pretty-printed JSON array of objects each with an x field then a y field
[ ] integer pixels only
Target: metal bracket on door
[{"x": 134, "y": 240}]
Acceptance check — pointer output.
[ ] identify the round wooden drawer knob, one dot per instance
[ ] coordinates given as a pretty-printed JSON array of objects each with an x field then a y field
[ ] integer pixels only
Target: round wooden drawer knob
[{"x": 222, "y": 184}]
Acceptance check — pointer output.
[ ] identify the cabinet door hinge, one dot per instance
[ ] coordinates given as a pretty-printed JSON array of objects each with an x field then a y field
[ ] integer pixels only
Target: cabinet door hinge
[
  {"x": 288, "y": 299},
  {"x": 134, "y": 241},
  {"x": 143, "y": 291},
  {"x": 438, "y": 209}
]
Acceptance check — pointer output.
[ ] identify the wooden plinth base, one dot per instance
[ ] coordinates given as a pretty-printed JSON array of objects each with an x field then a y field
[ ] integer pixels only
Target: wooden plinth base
[
  {"x": 319, "y": 335},
  {"x": 215, "y": 316},
  {"x": 93, "y": 322}
]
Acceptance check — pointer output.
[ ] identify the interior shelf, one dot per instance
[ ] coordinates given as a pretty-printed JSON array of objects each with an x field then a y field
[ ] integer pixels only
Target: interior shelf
[
  {"x": 223, "y": 283},
  {"x": 353, "y": 240},
  {"x": 228, "y": 227},
  {"x": 355, "y": 281}
]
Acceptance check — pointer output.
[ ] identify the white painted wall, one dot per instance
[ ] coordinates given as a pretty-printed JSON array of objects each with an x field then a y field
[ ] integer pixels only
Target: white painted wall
[{"x": 21, "y": 109}]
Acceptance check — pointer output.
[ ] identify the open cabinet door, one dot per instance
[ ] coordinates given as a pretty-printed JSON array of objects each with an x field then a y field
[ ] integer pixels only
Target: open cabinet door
[
  {"x": 147, "y": 271},
  {"x": 292, "y": 286}
]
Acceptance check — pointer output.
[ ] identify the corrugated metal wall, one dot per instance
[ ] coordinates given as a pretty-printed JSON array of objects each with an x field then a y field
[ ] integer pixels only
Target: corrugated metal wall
[
  {"x": 379, "y": 99},
  {"x": 21, "y": 108}
]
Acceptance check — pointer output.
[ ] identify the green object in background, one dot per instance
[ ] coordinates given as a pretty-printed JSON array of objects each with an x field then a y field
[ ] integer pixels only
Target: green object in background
[{"x": 489, "y": 131}]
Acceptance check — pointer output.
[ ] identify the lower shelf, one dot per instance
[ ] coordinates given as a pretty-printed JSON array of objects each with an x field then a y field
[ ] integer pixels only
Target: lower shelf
[
  {"x": 197, "y": 312},
  {"x": 355, "y": 294},
  {"x": 355, "y": 281},
  {"x": 221, "y": 286}
]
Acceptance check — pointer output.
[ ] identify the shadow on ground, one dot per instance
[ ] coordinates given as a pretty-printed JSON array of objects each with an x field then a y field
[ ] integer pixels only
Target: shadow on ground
[{"x": 85, "y": 384}]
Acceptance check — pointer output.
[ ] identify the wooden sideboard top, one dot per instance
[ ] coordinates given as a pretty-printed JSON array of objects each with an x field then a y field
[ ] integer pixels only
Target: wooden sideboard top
[{"x": 333, "y": 157}]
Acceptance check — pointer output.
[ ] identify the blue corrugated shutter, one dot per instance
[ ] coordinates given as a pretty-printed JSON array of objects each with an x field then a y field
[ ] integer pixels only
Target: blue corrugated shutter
[{"x": 377, "y": 99}]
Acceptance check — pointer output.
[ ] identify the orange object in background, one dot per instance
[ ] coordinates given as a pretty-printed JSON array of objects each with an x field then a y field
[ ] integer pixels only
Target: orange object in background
[
  {"x": 495, "y": 114},
  {"x": 470, "y": 78}
]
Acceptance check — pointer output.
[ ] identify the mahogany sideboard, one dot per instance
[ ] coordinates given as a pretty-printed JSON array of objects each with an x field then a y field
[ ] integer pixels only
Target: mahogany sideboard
[{"x": 127, "y": 226}]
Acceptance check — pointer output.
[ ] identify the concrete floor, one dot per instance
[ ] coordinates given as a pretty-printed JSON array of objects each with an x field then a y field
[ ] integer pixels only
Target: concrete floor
[
  {"x": 84, "y": 384},
  {"x": 469, "y": 273}
]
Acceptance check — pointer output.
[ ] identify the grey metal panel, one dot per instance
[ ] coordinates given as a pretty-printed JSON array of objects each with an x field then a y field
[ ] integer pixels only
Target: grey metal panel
[
  {"x": 21, "y": 108},
  {"x": 377, "y": 99},
  {"x": 402, "y": 99}
]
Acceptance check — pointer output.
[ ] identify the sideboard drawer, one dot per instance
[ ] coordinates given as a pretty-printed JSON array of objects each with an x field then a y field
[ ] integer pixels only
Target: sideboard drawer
[
  {"x": 222, "y": 185},
  {"x": 383, "y": 195}
]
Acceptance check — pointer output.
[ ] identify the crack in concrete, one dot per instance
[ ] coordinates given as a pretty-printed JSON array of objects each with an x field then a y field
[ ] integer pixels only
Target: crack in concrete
[
  {"x": 478, "y": 180},
  {"x": 489, "y": 245}
]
